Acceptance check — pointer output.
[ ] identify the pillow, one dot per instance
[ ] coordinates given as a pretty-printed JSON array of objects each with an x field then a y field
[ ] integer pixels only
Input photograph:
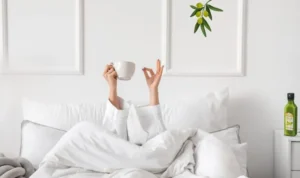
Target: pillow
[
  {"x": 230, "y": 135},
  {"x": 215, "y": 158},
  {"x": 62, "y": 116},
  {"x": 37, "y": 140},
  {"x": 208, "y": 113},
  {"x": 240, "y": 151}
]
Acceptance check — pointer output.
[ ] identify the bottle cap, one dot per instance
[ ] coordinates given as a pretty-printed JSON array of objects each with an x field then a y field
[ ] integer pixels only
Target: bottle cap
[{"x": 290, "y": 96}]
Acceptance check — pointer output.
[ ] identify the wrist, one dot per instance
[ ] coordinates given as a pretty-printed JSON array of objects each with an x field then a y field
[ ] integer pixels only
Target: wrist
[
  {"x": 154, "y": 99},
  {"x": 153, "y": 90},
  {"x": 112, "y": 90},
  {"x": 113, "y": 98},
  {"x": 113, "y": 94}
]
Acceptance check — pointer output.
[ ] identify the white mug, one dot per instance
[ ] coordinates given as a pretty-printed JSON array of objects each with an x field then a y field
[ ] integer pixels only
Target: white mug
[{"x": 124, "y": 69}]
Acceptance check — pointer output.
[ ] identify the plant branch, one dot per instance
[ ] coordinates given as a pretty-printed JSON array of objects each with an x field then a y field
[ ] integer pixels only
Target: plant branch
[{"x": 207, "y": 2}]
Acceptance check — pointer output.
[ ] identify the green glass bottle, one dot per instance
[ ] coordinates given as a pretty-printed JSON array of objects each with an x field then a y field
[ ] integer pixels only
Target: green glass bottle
[{"x": 290, "y": 116}]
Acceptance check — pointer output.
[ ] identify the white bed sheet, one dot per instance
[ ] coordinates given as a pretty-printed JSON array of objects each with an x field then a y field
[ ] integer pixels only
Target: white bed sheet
[
  {"x": 125, "y": 173},
  {"x": 91, "y": 151}
]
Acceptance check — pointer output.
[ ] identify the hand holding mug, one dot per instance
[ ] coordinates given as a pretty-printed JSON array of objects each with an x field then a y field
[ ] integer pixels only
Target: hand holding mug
[{"x": 110, "y": 76}]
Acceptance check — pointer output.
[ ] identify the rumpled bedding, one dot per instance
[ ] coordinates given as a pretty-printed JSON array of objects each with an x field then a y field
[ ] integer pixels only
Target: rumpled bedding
[
  {"x": 91, "y": 151},
  {"x": 15, "y": 168}
]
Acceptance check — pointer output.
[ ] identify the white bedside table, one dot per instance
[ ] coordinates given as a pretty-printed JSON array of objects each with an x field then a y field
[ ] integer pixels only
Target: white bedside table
[{"x": 286, "y": 155}]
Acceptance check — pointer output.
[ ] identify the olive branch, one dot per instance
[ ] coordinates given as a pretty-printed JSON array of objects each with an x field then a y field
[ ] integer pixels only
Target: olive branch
[{"x": 201, "y": 12}]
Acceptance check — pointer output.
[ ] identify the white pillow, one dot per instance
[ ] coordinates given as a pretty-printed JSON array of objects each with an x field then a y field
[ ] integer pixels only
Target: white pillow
[
  {"x": 62, "y": 116},
  {"x": 240, "y": 151},
  {"x": 208, "y": 113},
  {"x": 214, "y": 158},
  {"x": 37, "y": 141},
  {"x": 230, "y": 135}
]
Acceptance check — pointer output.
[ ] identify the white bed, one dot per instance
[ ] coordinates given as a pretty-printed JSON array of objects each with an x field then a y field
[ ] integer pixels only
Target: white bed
[{"x": 70, "y": 154}]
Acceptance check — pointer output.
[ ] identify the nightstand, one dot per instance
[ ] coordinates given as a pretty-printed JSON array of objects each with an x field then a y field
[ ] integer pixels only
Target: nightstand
[{"x": 286, "y": 155}]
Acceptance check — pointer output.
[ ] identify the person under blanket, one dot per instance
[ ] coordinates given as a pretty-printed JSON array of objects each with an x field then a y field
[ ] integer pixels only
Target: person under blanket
[
  {"x": 133, "y": 142},
  {"x": 147, "y": 119}
]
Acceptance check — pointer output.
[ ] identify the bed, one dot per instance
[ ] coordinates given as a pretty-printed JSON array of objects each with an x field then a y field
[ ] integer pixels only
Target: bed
[{"x": 58, "y": 146}]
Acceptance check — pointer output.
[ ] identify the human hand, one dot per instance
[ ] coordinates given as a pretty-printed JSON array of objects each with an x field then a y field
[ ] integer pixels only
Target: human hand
[
  {"x": 110, "y": 76},
  {"x": 153, "y": 79}
]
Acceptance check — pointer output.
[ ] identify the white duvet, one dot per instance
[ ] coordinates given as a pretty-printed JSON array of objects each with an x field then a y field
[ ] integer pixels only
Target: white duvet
[{"x": 91, "y": 151}]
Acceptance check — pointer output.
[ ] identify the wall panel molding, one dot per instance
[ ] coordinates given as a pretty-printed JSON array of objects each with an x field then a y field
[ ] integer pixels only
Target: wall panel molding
[
  {"x": 76, "y": 69},
  {"x": 167, "y": 44}
]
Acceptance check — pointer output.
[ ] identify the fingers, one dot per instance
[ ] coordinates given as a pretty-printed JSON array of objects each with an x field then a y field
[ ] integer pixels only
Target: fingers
[
  {"x": 161, "y": 70},
  {"x": 146, "y": 73},
  {"x": 158, "y": 67},
  {"x": 113, "y": 74},
  {"x": 159, "y": 75},
  {"x": 149, "y": 70},
  {"x": 108, "y": 70}
]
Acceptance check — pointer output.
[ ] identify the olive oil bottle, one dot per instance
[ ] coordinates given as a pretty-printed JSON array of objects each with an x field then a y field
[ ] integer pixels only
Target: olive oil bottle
[{"x": 290, "y": 116}]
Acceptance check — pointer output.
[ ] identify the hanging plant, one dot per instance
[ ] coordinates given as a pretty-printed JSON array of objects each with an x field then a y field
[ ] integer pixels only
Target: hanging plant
[{"x": 202, "y": 12}]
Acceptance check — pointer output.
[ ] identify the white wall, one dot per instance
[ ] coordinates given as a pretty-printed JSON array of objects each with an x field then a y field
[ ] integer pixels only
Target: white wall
[{"x": 131, "y": 30}]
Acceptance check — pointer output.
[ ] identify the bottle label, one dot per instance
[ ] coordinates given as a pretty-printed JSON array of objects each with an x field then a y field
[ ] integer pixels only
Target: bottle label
[{"x": 289, "y": 122}]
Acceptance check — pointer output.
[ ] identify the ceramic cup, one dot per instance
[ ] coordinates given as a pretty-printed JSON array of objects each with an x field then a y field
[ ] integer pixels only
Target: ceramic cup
[{"x": 124, "y": 69}]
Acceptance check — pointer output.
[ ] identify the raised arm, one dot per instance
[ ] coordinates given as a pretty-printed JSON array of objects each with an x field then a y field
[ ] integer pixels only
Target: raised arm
[
  {"x": 153, "y": 80},
  {"x": 115, "y": 118},
  {"x": 150, "y": 117},
  {"x": 110, "y": 76}
]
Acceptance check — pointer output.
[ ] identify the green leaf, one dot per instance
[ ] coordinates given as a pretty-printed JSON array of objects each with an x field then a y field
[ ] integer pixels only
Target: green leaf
[
  {"x": 195, "y": 11},
  {"x": 208, "y": 1},
  {"x": 196, "y": 27},
  {"x": 203, "y": 29},
  {"x": 214, "y": 8},
  {"x": 206, "y": 24},
  {"x": 209, "y": 13},
  {"x": 193, "y": 7}
]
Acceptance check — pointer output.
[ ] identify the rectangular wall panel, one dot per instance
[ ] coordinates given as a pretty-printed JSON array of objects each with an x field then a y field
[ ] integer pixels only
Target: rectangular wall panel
[
  {"x": 42, "y": 37},
  {"x": 189, "y": 54}
]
